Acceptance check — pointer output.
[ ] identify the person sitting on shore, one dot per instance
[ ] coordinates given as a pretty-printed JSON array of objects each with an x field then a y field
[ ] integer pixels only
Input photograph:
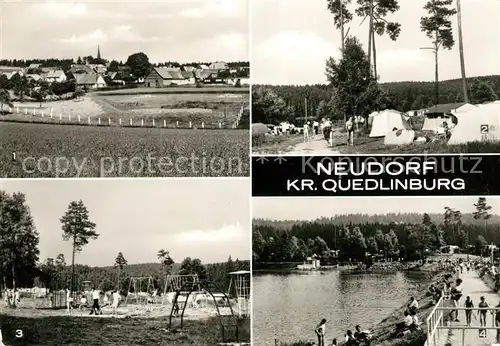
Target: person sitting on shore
[
  {"x": 362, "y": 336},
  {"x": 413, "y": 305},
  {"x": 350, "y": 340},
  {"x": 431, "y": 291},
  {"x": 415, "y": 324},
  {"x": 447, "y": 291},
  {"x": 405, "y": 324}
]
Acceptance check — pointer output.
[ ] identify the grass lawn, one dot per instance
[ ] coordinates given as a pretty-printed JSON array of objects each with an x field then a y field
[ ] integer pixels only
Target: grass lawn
[
  {"x": 178, "y": 90},
  {"x": 85, "y": 331},
  {"x": 44, "y": 150}
]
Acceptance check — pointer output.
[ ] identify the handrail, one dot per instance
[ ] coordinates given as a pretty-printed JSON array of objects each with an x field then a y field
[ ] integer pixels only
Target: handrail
[{"x": 434, "y": 320}]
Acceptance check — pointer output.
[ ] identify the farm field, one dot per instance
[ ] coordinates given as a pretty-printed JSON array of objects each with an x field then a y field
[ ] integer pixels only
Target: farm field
[
  {"x": 84, "y": 331},
  {"x": 44, "y": 150}
]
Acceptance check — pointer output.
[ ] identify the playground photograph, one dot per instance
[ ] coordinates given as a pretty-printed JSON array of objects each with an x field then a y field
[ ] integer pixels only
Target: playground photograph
[
  {"x": 371, "y": 271},
  {"x": 125, "y": 262},
  {"x": 377, "y": 77}
]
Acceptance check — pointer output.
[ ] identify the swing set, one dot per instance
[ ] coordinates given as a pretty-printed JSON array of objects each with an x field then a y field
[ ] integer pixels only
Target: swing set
[
  {"x": 141, "y": 290},
  {"x": 240, "y": 286}
]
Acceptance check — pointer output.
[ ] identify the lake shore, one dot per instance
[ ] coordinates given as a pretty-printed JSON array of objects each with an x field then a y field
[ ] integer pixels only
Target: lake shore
[{"x": 383, "y": 332}]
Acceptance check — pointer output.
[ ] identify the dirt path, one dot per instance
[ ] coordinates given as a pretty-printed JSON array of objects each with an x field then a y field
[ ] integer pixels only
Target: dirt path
[{"x": 317, "y": 145}]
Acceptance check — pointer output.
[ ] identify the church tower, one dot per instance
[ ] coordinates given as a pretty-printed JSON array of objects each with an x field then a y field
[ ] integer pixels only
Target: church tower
[{"x": 98, "y": 52}]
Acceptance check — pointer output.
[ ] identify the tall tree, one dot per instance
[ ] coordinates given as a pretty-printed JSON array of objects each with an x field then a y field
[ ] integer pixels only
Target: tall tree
[
  {"x": 350, "y": 77},
  {"x": 341, "y": 17},
  {"x": 18, "y": 240},
  {"x": 166, "y": 261},
  {"x": 482, "y": 92},
  {"x": 191, "y": 266},
  {"x": 5, "y": 99},
  {"x": 437, "y": 26},
  {"x": 139, "y": 64},
  {"x": 482, "y": 211},
  {"x": 120, "y": 262},
  {"x": 78, "y": 229},
  {"x": 376, "y": 12}
]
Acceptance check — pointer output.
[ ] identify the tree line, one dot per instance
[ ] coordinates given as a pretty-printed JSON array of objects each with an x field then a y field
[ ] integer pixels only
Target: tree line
[
  {"x": 353, "y": 86},
  {"x": 20, "y": 265},
  {"x": 355, "y": 240}
]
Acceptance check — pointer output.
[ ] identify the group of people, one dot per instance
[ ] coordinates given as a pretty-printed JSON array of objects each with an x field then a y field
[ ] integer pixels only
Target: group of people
[
  {"x": 12, "y": 297},
  {"x": 358, "y": 338},
  {"x": 96, "y": 294},
  {"x": 326, "y": 128}
]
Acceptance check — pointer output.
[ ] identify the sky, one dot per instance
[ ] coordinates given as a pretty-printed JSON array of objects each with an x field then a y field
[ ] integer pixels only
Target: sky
[
  {"x": 168, "y": 30},
  {"x": 207, "y": 219},
  {"x": 314, "y": 208},
  {"x": 292, "y": 39}
]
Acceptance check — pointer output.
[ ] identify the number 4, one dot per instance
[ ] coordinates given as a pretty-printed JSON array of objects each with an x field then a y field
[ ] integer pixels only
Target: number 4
[
  {"x": 482, "y": 333},
  {"x": 19, "y": 333}
]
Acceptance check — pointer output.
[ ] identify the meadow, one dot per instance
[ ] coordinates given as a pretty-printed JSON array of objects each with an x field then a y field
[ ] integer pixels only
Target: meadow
[
  {"x": 150, "y": 107},
  {"x": 83, "y": 331},
  {"x": 44, "y": 150}
]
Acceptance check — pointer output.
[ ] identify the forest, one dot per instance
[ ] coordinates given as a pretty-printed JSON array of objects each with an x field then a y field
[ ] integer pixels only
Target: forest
[
  {"x": 354, "y": 237},
  {"x": 21, "y": 265},
  {"x": 290, "y": 100}
]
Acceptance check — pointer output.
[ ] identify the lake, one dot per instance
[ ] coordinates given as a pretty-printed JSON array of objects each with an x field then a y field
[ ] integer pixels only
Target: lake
[{"x": 288, "y": 307}]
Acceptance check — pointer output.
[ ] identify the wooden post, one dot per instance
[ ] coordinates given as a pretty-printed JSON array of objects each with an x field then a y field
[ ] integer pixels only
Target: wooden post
[
  {"x": 34, "y": 111},
  {"x": 98, "y": 121},
  {"x": 88, "y": 119},
  {"x": 79, "y": 118},
  {"x": 154, "y": 124},
  {"x": 177, "y": 123},
  {"x": 190, "y": 125},
  {"x": 109, "y": 121},
  {"x": 202, "y": 124},
  {"x": 305, "y": 109},
  {"x": 17, "y": 108},
  {"x": 43, "y": 113},
  {"x": 130, "y": 121},
  {"x": 142, "y": 122},
  {"x": 69, "y": 117},
  {"x": 164, "y": 123},
  {"x": 50, "y": 115},
  {"x": 60, "y": 116},
  {"x": 120, "y": 121},
  {"x": 26, "y": 111}
]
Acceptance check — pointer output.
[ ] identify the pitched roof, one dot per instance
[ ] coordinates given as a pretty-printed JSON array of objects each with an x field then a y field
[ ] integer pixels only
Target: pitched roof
[
  {"x": 203, "y": 74},
  {"x": 219, "y": 65},
  {"x": 55, "y": 74},
  {"x": 10, "y": 69},
  {"x": 169, "y": 72},
  {"x": 86, "y": 78},
  {"x": 34, "y": 66},
  {"x": 187, "y": 74},
  {"x": 444, "y": 108}
]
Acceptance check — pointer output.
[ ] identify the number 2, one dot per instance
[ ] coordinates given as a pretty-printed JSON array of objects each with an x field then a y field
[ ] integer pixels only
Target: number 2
[
  {"x": 482, "y": 333},
  {"x": 19, "y": 333},
  {"x": 484, "y": 129}
]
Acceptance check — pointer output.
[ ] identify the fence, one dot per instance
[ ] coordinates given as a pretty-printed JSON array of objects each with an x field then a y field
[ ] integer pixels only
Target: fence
[{"x": 32, "y": 115}]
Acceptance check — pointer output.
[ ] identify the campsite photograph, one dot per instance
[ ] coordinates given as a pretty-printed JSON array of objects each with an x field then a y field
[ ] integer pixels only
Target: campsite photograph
[
  {"x": 122, "y": 262},
  {"x": 111, "y": 93},
  {"x": 373, "y": 76},
  {"x": 371, "y": 271}
]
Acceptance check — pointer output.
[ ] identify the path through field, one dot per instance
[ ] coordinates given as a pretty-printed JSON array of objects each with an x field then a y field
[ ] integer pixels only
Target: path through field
[
  {"x": 474, "y": 287},
  {"x": 317, "y": 145}
]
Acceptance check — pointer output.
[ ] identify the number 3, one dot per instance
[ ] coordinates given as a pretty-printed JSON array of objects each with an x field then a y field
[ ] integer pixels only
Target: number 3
[{"x": 19, "y": 333}]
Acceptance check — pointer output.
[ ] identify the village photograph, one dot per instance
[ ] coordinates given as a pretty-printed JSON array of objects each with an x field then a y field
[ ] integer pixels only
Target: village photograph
[
  {"x": 375, "y": 76},
  {"x": 126, "y": 88},
  {"x": 372, "y": 271},
  {"x": 91, "y": 266}
]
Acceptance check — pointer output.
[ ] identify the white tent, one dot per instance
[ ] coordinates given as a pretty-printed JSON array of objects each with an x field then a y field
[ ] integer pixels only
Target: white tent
[
  {"x": 385, "y": 121},
  {"x": 481, "y": 124},
  {"x": 464, "y": 108}
]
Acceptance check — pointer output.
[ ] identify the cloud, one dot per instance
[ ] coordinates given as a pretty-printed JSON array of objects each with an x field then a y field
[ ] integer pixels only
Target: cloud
[
  {"x": 217, "y": 8},
  {"x": 305, "y": 52},
  {"x": 95, "y": 36},
  {"x": 117, "y": 34}
]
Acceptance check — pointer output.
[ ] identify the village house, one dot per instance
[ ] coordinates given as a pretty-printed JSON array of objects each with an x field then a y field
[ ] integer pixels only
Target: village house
[
  {"x": 10, "y": 71},
  {"x": 189, "y": 68},
  {"x": 34, "y": 66},
  {"x": 56, "y": 76},
  {"x": 90, "y": 81},
  {"x": 35, "y": 77},
  {"x": 219, "y": 66},
  {"x": 165, "y": 76},
  {"x": 204, "y": 67},
  {"x": 116, "y": 77},
  {"x": 98, "y": 68}
]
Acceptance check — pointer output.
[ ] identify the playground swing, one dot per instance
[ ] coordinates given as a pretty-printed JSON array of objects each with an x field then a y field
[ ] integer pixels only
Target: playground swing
[
  {"x": 174, "y": 283},
  {"x": 227, "y": 321},
  {"x": 240, "y": 285},
  {"x": 141, "y": 290}
]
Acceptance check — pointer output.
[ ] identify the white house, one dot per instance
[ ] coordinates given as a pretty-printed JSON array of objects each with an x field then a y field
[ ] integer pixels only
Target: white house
[
  {"x": 90, "y": 81},
  {"x": 219, "y": 65},
  {"x": 56, "y": 76},
  {"x": 310, "y": 263}
]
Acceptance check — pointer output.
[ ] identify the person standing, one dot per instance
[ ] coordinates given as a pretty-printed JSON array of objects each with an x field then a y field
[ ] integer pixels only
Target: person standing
[
  {"x": 468, "y": 313},
  {"x": 306, "y": 132},
  {"x": 349, "y": 126},
  {"x": 96, "y": 295},
  {"x": 116, "y": 301},
  {"x": 456, "y": 294},
  {"x": 320, "y": 332},
  {"x": 315, "y": 127},
  {"x": 69, "y": 300}
]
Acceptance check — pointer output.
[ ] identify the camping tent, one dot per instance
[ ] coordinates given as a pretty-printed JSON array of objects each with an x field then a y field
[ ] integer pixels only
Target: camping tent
[
  {"x": 259, "y": 129},
  {"x": 479, "y": 124},
  {"x": 464, "y": 108},
  {"x": 385, "y": 121}
]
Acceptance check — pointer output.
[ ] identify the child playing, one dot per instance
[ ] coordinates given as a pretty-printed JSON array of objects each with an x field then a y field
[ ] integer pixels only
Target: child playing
[{"x": 320, "y": 332}]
